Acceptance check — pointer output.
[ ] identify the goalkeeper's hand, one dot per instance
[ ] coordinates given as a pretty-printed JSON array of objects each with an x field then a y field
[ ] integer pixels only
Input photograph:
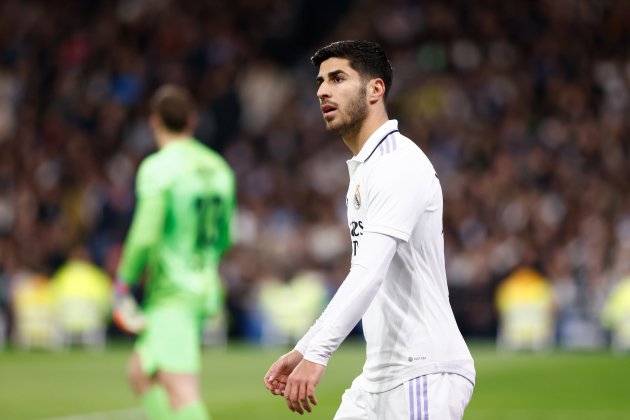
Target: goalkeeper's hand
[{"x": 126, "y": 313}]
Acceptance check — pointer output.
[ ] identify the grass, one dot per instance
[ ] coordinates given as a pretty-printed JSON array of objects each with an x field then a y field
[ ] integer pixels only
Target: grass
[{"x": 554, "y": 386}]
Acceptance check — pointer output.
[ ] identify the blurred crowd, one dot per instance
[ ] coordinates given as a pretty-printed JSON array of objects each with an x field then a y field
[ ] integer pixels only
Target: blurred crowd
[{"x": 521, "y": 106}]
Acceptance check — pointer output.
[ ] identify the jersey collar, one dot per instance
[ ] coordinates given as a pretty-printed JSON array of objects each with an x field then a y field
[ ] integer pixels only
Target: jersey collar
[
  {"x": 375, "y": 140},
  {"x": 177, "y": 143}
]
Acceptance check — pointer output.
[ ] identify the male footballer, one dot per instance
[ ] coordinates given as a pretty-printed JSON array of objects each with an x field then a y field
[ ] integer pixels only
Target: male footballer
[
  {"x": 418, "y": 365},
  {"x": 181, "y": 228}
]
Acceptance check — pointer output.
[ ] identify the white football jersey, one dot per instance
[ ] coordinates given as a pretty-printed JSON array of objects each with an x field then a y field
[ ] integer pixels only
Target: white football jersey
[{"x": 409, "y": 326}]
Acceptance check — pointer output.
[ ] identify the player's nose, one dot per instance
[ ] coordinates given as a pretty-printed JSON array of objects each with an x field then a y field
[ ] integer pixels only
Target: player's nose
[{"x": 323, "y": 91}]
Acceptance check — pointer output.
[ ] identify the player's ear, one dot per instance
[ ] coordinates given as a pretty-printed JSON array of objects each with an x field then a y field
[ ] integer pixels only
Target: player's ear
[
  {"x": 154, "y": 122},
  {"x": 193, "y": 120},
  {"x": 376, "y": 90}
]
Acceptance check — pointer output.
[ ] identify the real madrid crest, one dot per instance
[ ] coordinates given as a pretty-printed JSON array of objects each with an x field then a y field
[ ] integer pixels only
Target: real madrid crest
[{"x": 357, "y": 198}]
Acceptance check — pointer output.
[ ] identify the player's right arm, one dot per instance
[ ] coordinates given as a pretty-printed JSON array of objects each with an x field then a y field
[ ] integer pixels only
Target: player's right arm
[
  {"x": 392, "y": 212},
  {"x": 143, "y": 237},
  {"x": 276, "y": 377},
  {"x": 351, "y": 300},
  {"x": 298, "y": 381},
  {"x": 148, "y": 221}
]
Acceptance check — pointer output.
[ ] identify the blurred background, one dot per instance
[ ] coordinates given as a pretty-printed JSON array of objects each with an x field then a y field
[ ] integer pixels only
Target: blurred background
[{"x": 522, "y": 107}]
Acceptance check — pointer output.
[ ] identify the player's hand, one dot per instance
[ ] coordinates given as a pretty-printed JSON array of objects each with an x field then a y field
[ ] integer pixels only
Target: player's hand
[
  {"x": 126, "y": 313},
  {"x": 276, "y": 377},
  {"x": 300, "y": 388}
]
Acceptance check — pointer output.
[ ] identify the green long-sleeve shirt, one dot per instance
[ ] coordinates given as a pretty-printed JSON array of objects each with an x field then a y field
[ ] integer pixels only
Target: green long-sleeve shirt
[{"x": 181, "y": 225}]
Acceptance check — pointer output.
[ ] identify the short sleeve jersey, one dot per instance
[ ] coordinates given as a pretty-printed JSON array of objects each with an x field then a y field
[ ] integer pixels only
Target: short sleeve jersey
[
  {"x": 187, "y": 191},
  {"x": 409, "y": 327}
]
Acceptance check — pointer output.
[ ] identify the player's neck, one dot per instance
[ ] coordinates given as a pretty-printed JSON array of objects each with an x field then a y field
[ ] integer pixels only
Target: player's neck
[
  {"x": 355, "y": 141},
  {"x": 170, "y": 138}
]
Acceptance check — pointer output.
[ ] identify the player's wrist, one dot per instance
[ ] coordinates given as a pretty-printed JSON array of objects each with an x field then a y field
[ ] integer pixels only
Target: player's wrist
[
  {"x": 316, "y": 358},
  {"x": 295, "y": 355},
  {"x": 126, "y": 313},
  {"x": 121, "y": 288}
]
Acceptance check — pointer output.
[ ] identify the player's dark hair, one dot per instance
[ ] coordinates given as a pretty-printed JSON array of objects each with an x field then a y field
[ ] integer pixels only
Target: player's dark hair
[
  {"x": 366, "y": 57},
  {"x": 174, "y": 105}
]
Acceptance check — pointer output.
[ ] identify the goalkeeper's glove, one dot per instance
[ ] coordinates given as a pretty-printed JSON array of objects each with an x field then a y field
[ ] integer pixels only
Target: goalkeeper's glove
[{"x": 126, "y": 313}]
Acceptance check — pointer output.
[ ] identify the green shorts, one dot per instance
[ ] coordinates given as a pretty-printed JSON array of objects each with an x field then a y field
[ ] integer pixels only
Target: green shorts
[{"x": 171, "y": 341}]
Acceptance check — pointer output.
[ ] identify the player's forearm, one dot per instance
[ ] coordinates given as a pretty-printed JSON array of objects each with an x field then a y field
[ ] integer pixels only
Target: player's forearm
[
  {"x": 132, "y": 262},
  {"x": 347, "y": 291},
  {"x": 352, "y": 299},
  {"x": 144, "y": 235},
  {"x": 341, "y": 315}
]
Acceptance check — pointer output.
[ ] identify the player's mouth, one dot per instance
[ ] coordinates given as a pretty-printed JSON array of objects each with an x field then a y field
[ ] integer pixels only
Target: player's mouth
[{"x": 328, "y": 110}]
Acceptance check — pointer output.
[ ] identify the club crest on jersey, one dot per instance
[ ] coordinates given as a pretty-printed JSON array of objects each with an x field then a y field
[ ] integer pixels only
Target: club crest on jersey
[{"x": 357, "y": 198}]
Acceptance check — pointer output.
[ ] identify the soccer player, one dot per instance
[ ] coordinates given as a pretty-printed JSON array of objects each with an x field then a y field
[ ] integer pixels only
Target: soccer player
[
  {"x": 418, "y": 365},
  {"x": 180, "y": 230}
]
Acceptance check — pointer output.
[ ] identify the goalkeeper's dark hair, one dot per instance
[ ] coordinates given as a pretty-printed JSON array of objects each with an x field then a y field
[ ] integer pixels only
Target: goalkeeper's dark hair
[
  {"x": 174, "y": 105},
  {"x": 366, "y": 57}
]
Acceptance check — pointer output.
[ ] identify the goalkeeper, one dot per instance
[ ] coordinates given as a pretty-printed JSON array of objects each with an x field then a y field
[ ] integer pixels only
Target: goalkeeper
[{"x": 181, "y": 228}]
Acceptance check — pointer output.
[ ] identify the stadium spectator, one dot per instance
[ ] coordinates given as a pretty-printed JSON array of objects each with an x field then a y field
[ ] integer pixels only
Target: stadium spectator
[
  {"x": 616, "y": 316},
  {"x": 82, "y": 295},
  {"x": 34, "y": 313},
  {"x": 525, "y": 305},
  {"x": 280, "y": 301}
]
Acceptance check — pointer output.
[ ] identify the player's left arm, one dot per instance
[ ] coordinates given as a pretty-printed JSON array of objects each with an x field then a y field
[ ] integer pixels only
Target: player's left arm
[{"x": 299, "y": 391}]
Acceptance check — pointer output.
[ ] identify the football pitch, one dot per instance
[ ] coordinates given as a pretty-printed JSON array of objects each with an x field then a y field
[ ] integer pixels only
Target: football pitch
[{"x": 83, "y": 385}]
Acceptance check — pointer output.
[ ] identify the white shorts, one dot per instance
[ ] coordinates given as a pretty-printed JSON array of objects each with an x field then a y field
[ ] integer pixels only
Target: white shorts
[{"x": 439, "y": 396}]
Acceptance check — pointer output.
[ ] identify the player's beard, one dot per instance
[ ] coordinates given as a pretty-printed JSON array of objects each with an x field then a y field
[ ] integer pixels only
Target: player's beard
[{"x": 356, "y": 112}]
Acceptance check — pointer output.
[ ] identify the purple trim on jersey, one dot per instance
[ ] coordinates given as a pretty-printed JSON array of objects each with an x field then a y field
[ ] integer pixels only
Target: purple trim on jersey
[
  {"x": 379, "y": 144},
  {"x": 418, "y": 400},
  {"x": 384, "y": 146},
  {"x": 393, "y": 142},
  {"x": 426, "y": 399},
  {"x": 411, "y": 407}
]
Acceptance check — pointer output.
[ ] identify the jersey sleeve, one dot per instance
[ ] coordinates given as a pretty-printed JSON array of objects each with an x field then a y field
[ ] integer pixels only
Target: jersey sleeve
[
  {"x": 148, "y": 222},
  {"x": 397, "y": 195},
  {"x": 153, "y": 177},
  {"x": 351, "y": 300}
]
